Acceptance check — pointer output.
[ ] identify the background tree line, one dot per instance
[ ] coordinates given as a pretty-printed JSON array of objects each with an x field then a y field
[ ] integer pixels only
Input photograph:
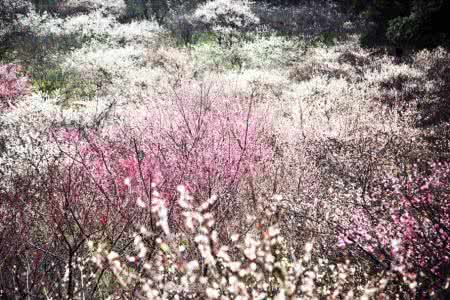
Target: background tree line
[
  {"x": 410, "y": 23},
  {"x": 405, "y": 23}
]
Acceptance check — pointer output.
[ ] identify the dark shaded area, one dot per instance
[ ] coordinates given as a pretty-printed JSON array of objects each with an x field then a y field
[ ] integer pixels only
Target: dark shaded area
[
  {"x": 407, "y": 23},
  {"x": 402, "y": 23},
  {"x": 437, "y": 109}
]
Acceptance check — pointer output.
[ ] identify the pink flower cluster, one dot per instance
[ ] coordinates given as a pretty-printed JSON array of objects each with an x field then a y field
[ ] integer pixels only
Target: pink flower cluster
[
  {"x": 210, "y": 153},
  {"x": 11, "y": 85},
  {"x": 410, "y": 234}
]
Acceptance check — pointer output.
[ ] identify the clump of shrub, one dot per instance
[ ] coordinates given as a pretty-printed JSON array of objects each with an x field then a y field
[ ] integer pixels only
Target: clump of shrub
[
  {"x": 228, "y": 19},
  {"x": 351, "y": 58},
  {"x": 69, "y": 86},
  {"x": 200, "y": 263},
  {"x": 307, "y": 71},
  {"x": 12, "y": 85},
  {"x": 403, "y": 225},
  {"x": 211, "y": 147}
]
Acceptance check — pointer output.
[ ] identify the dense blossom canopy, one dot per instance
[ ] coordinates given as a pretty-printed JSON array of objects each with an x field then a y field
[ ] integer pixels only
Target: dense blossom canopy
[{"x": 221, "y": 149}]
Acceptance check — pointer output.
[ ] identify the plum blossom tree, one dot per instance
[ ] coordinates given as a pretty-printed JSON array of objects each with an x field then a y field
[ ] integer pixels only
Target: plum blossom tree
[
  {"x": 256, "y": 264},
  {"x": 103, "y": 183},
  {"x": 12, "y": 85},
  {"x": 227, "y": 18},
  {"x": 175, "y": 151},
  {"x": 405, "y": 229}
]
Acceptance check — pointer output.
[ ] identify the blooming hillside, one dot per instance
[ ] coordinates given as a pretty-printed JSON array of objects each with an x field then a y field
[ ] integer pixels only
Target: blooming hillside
[{"x": 218, "y": 149}]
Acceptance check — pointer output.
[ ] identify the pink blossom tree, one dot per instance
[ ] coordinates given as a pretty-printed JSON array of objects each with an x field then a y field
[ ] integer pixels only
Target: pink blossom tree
[
  {"x": 404, "y": 228},
  {"x": 107, "y": 182},
  {"x": 11, "y": 85}
]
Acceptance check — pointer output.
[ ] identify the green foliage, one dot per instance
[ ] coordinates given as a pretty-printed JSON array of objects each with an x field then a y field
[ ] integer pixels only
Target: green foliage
[
  {"x": 48, "y": 81},
  {"x": 412, "y": 23},
  {"x": 215, "y": 57},
  {"x": 402, "y": 30},
  {"x": 70, "y": 86},
  {"x": 203, "y": 38},
  {"x": 135, "y": 9},
  {"x": 258, "y": 51},
  {"x": 45, "y": 5}
]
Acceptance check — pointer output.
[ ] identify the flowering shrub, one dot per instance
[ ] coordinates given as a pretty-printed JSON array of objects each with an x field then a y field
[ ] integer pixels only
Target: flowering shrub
[
  {"x": 271, "y": 51},
  {"x": 256, "y": 53},
  {"x": 257, "y": 264},
  {"x": 121, "y": 115},
  {"x": 234, "y": 139},
  {"x": 406, "y": 231},
  {"x": 94, "y": 25},
  {"x": 110, "y": 7},
  {"x": 226, "y": 17},
  {"x": 11, "y": 85},
  {"x": 119, "y": 169}
]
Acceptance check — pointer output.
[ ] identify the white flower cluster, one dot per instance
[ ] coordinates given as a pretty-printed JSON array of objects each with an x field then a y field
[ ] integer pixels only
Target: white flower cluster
[
  {"x": 114, "y": 7},
  {"x": 96, "y": 55},
  {"x": 226, "y": 16},
  {"x": 261, "y": 52},
  {"x": 270, "y": 51},
  {"x": 334, "y": 98},
  {"x": 26, "y": 132},
  {"x": 253, "y": 266},
  {"x": 95, "y": 25}
]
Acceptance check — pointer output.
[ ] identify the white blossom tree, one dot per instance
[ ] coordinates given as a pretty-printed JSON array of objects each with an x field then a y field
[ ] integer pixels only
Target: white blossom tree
[{"x": 227, "y": 18}]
